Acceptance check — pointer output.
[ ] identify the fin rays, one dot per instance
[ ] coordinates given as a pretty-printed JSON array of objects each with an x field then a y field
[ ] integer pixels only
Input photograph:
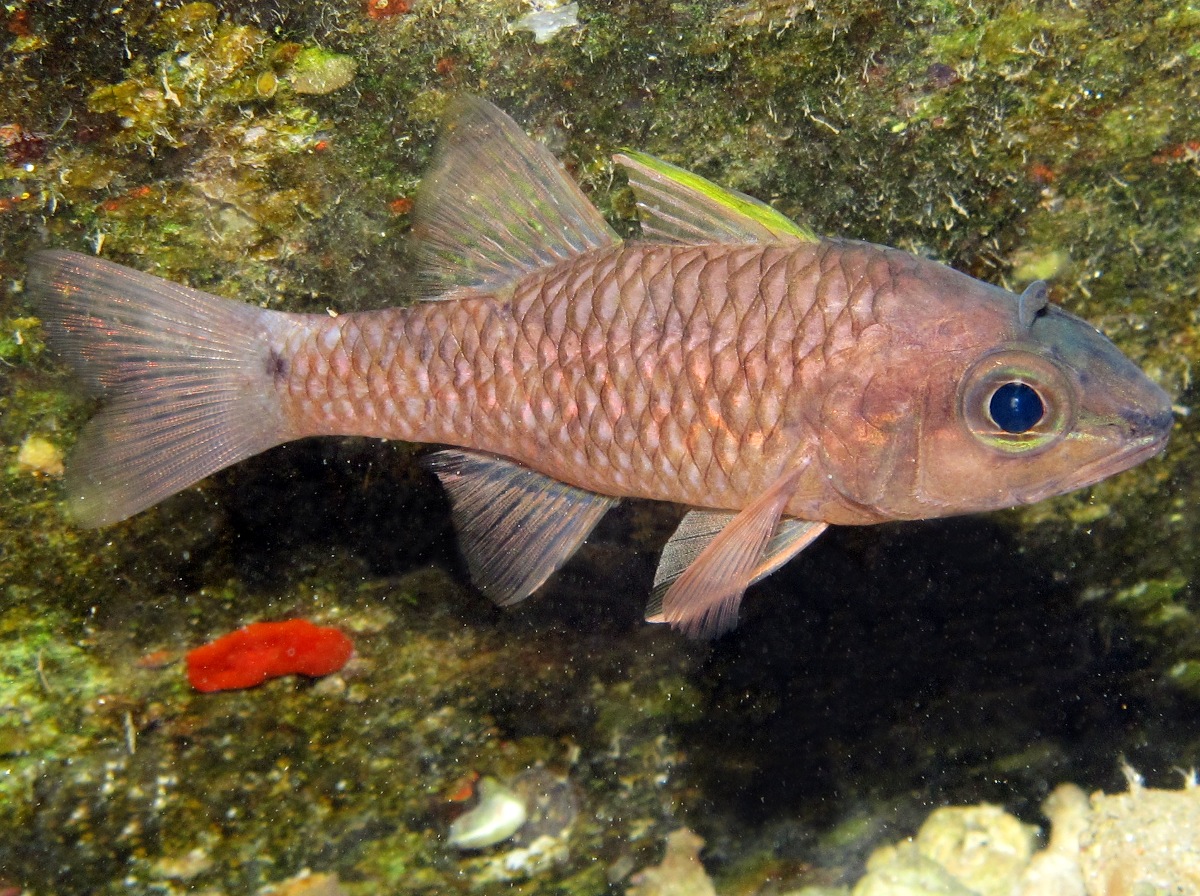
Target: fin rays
[
  {"x": 496, "y": 204},
  {"x": 183, "y": 373},
  {"x": 679, "y": 206},
  {"x": 714, "y": 557},
  {"x": 516, "y": 526}
]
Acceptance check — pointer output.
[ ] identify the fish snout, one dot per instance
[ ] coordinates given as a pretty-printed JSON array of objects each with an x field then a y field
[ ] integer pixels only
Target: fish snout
[
  {"x": 1152, "y": 425},
  {"x": 1148, "y": 415},
  {"x": 1143, "y": 434}
]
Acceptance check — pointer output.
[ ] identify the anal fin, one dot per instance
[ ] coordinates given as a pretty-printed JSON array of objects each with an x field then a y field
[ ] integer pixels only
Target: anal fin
[{"x": 516, "y": 526}]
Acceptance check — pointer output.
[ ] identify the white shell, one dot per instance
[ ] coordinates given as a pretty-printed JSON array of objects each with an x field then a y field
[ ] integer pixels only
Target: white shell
[
  {"x": 548, "y": 21},
  {"x": 498, "y": 816}
]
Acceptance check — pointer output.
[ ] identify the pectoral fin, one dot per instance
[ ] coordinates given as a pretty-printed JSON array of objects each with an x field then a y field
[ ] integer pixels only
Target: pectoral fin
[
  {"x": 516, "y": 526},
  {"x": 699, "y": 527},
  {"x": 790, "y": 538},
  {"x": 703, "y": 600}
]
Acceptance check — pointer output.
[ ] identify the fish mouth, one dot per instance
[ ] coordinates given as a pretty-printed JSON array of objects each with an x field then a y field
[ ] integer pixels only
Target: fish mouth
[{"x": 1156, "y": 429}]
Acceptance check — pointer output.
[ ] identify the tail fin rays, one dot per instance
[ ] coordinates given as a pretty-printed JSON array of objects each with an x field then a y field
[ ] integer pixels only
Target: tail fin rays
[{"x": 186, "y": 375}]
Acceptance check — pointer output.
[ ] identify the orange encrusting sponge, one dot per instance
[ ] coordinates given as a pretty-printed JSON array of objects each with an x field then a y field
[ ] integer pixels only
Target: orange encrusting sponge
[{"x": 262, "y": 650}]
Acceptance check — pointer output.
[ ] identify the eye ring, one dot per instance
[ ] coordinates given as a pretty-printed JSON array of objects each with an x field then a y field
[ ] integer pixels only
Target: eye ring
[{"x": 1016, "y": 402}]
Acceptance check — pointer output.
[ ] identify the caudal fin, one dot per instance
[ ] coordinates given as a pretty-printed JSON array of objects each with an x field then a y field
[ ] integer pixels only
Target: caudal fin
[{"x": 186, "y": 378}]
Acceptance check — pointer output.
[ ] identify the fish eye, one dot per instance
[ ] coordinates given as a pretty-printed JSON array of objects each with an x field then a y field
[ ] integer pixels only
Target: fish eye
[
  {"x": 1016, "y": 407},
  {"x": 1016, "y": 402}
]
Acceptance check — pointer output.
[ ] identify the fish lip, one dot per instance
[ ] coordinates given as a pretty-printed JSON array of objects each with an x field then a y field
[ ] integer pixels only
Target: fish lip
[
  {"x": 1137, "y": 451},
  {"x": 1134, "y": 453}
]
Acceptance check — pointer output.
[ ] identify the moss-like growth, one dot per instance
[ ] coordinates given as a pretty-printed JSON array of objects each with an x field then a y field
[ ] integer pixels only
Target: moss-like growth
[{"x": 1012, "y": 141}]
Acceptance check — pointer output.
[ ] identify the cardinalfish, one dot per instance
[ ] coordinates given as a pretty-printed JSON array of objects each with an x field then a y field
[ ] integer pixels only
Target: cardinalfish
[{"x": 731, "y": 360}]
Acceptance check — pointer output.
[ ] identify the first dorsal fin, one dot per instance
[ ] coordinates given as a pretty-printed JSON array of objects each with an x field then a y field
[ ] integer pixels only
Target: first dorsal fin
[
  {"x": 682, "y": 207},
  {"x": 495, "y": 205}
]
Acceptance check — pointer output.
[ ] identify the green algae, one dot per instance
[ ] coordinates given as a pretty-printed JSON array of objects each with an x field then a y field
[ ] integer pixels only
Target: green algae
[
  {"x": 20, "y": 340},
  {"x": 1012, "y": 141},
  {"x": 49, "y": 693},
  {"x": 319, "y": 71}
]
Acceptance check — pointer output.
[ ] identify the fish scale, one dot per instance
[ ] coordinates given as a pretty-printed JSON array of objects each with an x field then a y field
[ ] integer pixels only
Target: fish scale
[
  {"x": 712, "y": 353},
  {"x": 732, "y": 361}
]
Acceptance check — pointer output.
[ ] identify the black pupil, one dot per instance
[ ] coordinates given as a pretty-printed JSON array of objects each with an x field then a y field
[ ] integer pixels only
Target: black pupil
[{"x": 1016, "y": 407}]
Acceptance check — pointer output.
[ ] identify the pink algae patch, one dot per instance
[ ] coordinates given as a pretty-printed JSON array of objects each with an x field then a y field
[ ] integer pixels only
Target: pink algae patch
[{"x": 262, "y": 650}]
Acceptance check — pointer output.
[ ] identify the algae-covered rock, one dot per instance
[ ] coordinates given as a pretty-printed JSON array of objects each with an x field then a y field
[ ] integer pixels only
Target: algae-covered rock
[
  {"x": 1142, "y": 841},
  {"x": 984, "y": 847},
  {"x": 222, "y": 145},
  {"x": 680, "y": 872},
  {"x": 1055, "y": 871},
  {"x": 904, "y": 871},
  {"x": 40, "y": 456},
  {"x": 319, "y": 71},
  {"x": 960, "y": 850},
  {"x": 306, "y": 884}
]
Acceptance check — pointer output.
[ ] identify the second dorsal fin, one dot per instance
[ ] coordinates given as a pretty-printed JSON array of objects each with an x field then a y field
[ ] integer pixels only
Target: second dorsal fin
[
  {"x": 495, "y": 205},
  {"x": 682, "y": 207}
]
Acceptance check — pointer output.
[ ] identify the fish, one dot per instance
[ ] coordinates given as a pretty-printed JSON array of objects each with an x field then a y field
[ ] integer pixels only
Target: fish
[{"x": 729, "y": 359}]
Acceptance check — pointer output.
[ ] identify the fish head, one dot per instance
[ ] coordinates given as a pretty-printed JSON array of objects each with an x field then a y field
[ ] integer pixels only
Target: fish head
[
  {"x": 981, "y": 401},
  {"x": 1053, "y": 407}
]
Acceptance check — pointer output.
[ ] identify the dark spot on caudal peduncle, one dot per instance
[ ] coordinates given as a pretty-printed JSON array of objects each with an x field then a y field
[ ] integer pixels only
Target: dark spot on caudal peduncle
[{"x": 276, "y": 366}]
